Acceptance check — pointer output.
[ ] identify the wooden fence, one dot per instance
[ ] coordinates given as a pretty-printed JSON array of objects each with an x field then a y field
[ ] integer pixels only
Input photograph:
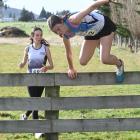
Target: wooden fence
[{"x": 52, "y": 103}]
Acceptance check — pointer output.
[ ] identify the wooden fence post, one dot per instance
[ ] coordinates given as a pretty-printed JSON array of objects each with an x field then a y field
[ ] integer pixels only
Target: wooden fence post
[
  {"x": 52, "y": 92},
  {"x": 136, "y": 45}
]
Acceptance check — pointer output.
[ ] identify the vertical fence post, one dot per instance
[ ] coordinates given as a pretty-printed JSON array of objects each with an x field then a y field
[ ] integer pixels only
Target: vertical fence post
[
  {"x": 52, "y": 92},
  {"x": 135, "y": 43}
]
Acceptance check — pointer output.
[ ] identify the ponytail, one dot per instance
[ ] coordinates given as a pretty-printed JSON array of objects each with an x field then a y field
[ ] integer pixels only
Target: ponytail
[{"x": 45, "y": 42}]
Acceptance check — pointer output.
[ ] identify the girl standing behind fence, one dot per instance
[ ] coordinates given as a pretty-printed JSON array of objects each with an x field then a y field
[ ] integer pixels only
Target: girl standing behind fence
[{"x": 36, "y": 55}]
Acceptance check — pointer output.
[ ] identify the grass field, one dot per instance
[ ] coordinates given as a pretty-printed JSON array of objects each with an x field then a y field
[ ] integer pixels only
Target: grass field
[{"x": 10, "y": 56}]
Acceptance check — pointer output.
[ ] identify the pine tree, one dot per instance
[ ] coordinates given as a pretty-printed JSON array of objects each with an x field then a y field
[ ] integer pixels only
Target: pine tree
[
  {"x": 1, "y": 6},
  {"x": 1, "y": 3},
  {"x": 26, "y": 15},
  {"x": 43, "y": 13}
]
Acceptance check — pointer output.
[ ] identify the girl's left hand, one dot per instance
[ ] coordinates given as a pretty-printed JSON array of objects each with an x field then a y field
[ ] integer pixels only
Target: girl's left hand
[{"x": 43, "y": 69}]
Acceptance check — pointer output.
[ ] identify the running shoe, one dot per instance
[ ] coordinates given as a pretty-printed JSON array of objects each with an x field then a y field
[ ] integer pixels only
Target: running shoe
[
  {"x": 23, "y": 117},
  {"x": 120, "y": 72}
]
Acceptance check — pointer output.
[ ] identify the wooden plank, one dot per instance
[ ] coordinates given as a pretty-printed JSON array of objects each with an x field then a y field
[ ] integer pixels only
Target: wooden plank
[
  {"x": 69, "y": 103},
  {"x": 57, "y": 79},
  {"x": 51, "y": 115},
  {"x": 85, "y": 79},
  {"x": 97, "y": 78},
  {"x": 34, "y": 103},
  {"x": 99, "y": 102},
  {"x": 97, "y": 125},
  {"x": 26, "y": 126},
  {"x": 62, "y": 126},
  {"x": 52, "y": 92},
  {"x": 14, "y": 79}
]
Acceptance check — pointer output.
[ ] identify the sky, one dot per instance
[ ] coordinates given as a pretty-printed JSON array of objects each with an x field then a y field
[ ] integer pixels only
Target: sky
[{"x": 49, "y": 5}]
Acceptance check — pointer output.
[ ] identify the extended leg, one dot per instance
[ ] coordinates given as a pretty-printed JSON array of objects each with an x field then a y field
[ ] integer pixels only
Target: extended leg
[{"x": 87, "y": 51}]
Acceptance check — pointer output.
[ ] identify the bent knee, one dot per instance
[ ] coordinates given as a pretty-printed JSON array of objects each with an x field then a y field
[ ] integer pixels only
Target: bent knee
[
  {"x": 104, "y": 60},
  {"x": 83, "y": 63}
]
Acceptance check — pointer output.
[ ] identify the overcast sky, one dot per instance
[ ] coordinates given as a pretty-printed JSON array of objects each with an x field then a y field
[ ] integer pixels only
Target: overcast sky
[{"x": 49, "y": 5}]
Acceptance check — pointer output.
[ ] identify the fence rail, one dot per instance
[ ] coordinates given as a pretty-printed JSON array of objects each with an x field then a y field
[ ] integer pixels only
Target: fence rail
[
  {"x": 52, "y": 103},
  {"x": 70, "y": 103},
  {"x": 74, "y": 125},
  {"x": 61, "y": 79}
]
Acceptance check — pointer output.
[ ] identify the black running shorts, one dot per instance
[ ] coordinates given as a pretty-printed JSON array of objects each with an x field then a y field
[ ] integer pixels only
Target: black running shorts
[{"x": 108, "y": 28}]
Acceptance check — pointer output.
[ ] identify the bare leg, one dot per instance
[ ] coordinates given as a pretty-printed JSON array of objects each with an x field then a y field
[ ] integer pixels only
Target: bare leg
[
  {"x": 105, "y": 48},
  {"x": 87, "y": 50}
]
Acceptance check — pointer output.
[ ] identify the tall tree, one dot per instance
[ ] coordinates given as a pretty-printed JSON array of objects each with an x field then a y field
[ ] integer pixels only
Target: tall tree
[
  {"x": 105, "y": 9},
  {"x": 1, "y": 3},
  {"x": 126, "y": 13},
  {"x": 43, "y": 13},
  {"x": 14, "y": 16},
  {"x": 1, "y": 6},
  {"x": 26, "y": 15},
  {"x": 5, "y": 6}
]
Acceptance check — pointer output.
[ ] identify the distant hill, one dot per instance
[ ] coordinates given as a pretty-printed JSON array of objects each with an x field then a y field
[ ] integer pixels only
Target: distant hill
[{"x": 12, "y": 13}]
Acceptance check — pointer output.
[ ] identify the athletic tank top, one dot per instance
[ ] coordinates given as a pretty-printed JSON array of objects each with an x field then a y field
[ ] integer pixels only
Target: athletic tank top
[
  {"x": 91, "y": 25},
  {"x": 36, "y": 57}
]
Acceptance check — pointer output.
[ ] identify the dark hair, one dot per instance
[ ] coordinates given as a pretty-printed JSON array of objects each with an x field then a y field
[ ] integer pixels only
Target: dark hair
[
  {"x": 53, "y": 20},
  {"x": 43, "y": 41}
]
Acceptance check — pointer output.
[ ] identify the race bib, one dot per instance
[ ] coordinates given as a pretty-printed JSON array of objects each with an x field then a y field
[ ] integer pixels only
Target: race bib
[{"x": 36, "y": 71}]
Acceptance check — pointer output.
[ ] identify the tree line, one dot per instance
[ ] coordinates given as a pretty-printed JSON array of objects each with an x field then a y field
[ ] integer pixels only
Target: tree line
[
  {"x": 127, "y": 26},
  {"x": 29, "y": 16}
]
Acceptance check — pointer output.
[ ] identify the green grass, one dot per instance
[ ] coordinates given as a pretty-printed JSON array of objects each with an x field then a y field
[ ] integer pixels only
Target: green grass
[{"x": 11, "y": 55}]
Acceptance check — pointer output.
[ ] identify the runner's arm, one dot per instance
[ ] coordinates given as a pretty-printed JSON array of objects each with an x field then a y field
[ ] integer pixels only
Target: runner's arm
[
  {"x": 25, "y": 58},
  {"x": 76, "y": 18},
  {"x": 71, "y": 70}
]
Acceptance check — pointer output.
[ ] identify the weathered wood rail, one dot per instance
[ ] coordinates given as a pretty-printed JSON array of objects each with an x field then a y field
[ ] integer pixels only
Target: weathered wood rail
[{"x": 52, "y": 103}]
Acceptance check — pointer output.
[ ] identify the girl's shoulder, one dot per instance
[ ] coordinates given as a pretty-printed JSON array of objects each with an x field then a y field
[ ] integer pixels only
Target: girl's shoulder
[
  {"x": 96, "y": 12},
  {"x": 72, "y": 16},
  {"x": 27, "y": 48},
  {"x": 46, "y": 47}
]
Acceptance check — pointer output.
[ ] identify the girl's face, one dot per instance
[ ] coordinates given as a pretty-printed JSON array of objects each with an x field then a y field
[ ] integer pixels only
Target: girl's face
[
  {"x": 60, "y": 29},
  {"x": 37, "y": 36}
]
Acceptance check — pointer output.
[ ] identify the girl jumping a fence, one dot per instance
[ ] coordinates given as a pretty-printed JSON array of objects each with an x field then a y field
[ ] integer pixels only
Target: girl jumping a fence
[{"x": 97, "y": 29}]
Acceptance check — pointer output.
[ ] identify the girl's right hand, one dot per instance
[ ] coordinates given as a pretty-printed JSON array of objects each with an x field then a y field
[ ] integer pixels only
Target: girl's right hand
[{"x": 72, "y": 73}]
